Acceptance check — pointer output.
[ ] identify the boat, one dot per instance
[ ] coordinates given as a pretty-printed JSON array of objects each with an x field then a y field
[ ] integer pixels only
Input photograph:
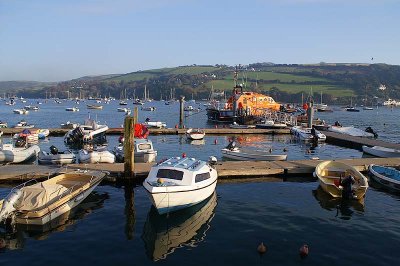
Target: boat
[
  {"x": 178, "y": 183},
  {"x": 352, "y": 131},
  {"x": 38, "y": 203},
  {"x": 149, "y": 108},
  {"x": 31, "y": 107},
  {"x": 93, "y": 106},
  {"x": 391, "y": 102},
  {"x": 188, "y": 108},
  {"x": 17, "y": 152},
  {"x": 56, "y": 157},
  {"x": 352, "y": 109},
  {"x": 143, "y": 151},
  {"x": 341, "y": 180},
  {"x": 379, "y": 151},
  {"x": 72, "y": 109},
  {"x": 187, "y": 228},
  {"x": 69, "y": 125},
  {"x": 3, "y": 124},
  {"x": 23, "y": 124},
  {"x": 388, "y": 177},
  {"x": 271, "y": 124},
  {"x": 96, "y": 156},
  {"x": 242, "y": 154},
  {"x": 21, "y": 111},
  {"x": 122, "y": 109},
  {"x": 307, "y": 134},
  {"x": 195, "y": 134},
  {"x": 29, "y": 136},
  {"x": 237, "y": 126},
  {"x": 43, "y": 133},
  {"x": 368, "y": 108},
  {"x": 138, "y": 102},
  {"x": 155, "y": 124},
  {"x": 89, "y": 132},
  {"x": 239, "y": 105}
]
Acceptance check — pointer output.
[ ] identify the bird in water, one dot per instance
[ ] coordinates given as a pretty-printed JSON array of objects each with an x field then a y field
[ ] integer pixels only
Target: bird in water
[
  {"x": 270, "y": 150},
  {"x": 261, "y": 248},
  {"x": 285, "y": 149},
  {"x": 303, "y": 251}
]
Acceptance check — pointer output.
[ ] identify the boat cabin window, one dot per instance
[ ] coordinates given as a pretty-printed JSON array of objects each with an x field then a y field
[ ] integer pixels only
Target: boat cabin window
[
  {"x": 170, "y": 174},
  {"x": 144, "y": 146},
  {"x": 202, "y": 177}
]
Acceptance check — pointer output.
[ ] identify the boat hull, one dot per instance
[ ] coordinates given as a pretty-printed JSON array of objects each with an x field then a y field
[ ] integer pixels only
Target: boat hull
[
  {"x": 69, "y": 205},
  {"x": 172, "y": 201},
  {"x": 96, "y": 157},
  {"x": 387, "y": 177},
  {"x": 19, "y": 156},
  {"x": 329, "y": 174},
  {"x": 381, "y": 151}
]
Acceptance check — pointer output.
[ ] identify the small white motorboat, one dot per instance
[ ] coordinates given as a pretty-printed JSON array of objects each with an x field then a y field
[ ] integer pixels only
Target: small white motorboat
[
  {"x": 237, "y": 126},
  {"x": 89, "y": 132},
  {"x": 149, "y": 108},
  {"x": 307, "y": 134},
  {"x": 155, "y": 124},
  {"x": 43, "y": 133},
  {"x": 352, "y": 131},
  {"x": 69, "y": 125},
  {"x": 341, "y": 180},
  {"x": 241, "y": 154},
  {"x": 72, "y": 109},
  {"x": 21, "y": 111},
  {"x": 96, "y": 156},
  {"x": 379, "y": 151},
  {"x": 31, "y": 107},
  {"x": 143, "y": 151},
  {"x": 271, "y": 124},
  {"x": 56, "y": 157},
  {"x": 93, "y": 106},
  {"x": 3, "y": 124},
  {"x": 195, "y": 134},
  {"x": 41, "y": 202},
  {"x": 23, "y": 124},
  {"x": 13, "y": 153},
  {"x": 178, "y": 183},
  {"x": 122, "y": 109},
  {"x": 188, "y": 108},
  {"x": 388, "y": 177}
]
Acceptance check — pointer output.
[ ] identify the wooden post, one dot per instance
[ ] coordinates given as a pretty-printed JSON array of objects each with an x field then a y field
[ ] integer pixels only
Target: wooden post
[
  {"x": 129, "y": 134},
  {"x": 181, "y": 111}
]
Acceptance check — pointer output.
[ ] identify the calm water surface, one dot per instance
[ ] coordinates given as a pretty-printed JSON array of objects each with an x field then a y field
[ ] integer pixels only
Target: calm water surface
[{"x": 117, "y": 225}]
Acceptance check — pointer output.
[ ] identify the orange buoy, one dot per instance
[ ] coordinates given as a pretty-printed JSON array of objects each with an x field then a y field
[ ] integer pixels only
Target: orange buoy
[
  {"x": 183, "y": 155},
  {"x": 303, "y": 251},
  {"x": 176, "y": 126},
  {"x": 261, "y": 248}
]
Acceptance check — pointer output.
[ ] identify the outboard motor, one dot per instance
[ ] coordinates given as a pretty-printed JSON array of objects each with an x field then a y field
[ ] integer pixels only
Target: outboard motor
[
  {"x": 53, "y": 150},
  {"x": 370, "y": 130},
  {"x": 212, "y": 160},
  {"x": 9, "y": 203},
  {"x": 231, "y": 145},
  {"x": 347, "y": 183},
  {"x": 337, "y": 124}
]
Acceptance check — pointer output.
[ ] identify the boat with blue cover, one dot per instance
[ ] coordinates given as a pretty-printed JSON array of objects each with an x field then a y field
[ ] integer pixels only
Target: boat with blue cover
[{"x": 388, "y": 177}]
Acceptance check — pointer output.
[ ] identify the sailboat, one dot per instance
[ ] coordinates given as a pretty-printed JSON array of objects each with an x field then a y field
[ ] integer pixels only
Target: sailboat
[
  {"x": 123, "y": 99},
  {"x": 322, "y": 107},
  {"x": 365, "y": 101},
  {"x": 351, "y": 108}
]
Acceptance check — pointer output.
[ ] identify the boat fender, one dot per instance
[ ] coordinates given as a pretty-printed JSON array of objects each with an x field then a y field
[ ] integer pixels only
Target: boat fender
[{"x": 9, "y": 204}]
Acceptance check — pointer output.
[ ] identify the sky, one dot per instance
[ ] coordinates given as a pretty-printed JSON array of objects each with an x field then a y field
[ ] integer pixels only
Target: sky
[{"x": 56, "y": 40}]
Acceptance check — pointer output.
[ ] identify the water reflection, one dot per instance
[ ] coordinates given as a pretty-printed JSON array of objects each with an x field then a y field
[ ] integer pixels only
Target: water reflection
[
  {"x": 196, "y": 142},
  {"x": 344, "y": 208},
  {"x": 14, "y": 238},
  {"x": 130, "y": 213},
  {"x": 162, "y": 234}
]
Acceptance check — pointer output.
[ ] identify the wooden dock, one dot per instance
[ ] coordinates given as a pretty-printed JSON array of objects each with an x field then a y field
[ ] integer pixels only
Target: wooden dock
[
  {"x": 166, "y": 131},
  {"x": 283, "y": 170},
  {"x": 356, "y": 142}
]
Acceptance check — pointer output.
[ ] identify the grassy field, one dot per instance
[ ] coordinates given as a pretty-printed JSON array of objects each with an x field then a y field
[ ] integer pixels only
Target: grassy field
[
  {"x": 333, "y": 90},
  {"x": 266, "y": 75}
]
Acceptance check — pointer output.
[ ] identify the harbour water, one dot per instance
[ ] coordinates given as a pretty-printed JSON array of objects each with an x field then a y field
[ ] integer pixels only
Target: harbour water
[{"x": 117, "y": 224}]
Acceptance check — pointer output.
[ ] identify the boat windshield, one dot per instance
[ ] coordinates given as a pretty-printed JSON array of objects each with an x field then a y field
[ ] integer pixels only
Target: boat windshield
[
  {"x": 144, "y": 146},
  {"x": 170, "y": 174}
]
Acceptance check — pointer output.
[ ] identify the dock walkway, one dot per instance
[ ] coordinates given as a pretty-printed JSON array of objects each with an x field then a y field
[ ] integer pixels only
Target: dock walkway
[{"x": 299, "y": 169}]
